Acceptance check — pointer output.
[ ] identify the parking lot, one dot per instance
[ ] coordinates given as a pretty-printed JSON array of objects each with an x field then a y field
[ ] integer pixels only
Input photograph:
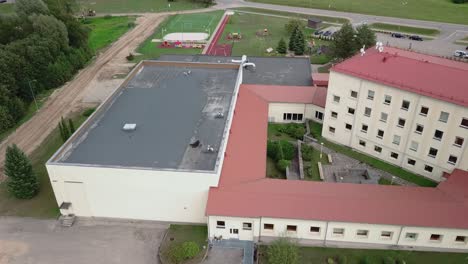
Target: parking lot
[{"x": 33, "y": 241}]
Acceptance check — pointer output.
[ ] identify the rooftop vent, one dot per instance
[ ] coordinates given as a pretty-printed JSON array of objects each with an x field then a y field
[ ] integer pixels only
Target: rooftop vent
[
  {"x": 129, "y": 127},
  {"x": 219, "y": 115},
  {"x": 194, "y": 142},
  {"x": 210, "y": 149}
]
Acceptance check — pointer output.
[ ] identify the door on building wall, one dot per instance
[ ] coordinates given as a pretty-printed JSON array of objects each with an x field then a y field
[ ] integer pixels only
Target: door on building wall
[
  {"x": 76, "y": 194},
  {"x": 234, "y": 233}
]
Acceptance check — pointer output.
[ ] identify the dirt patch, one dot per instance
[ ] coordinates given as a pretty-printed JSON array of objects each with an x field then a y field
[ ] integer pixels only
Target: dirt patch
[{"x": 10, "y": 250}]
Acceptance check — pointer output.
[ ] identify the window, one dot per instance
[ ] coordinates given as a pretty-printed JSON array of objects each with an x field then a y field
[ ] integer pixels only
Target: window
[
  {"x": 435, "y": 237},
  {"x": 383, "y": 117},
  {"x": 396, "y": 140},
  {"x": 405, "y": 105},
  {"x": 354, "y": 94},
  {"x": 364, "y": 128},
  {"x": 461, "y": 239},
  {"x": 424, "y": 111},
  {"x": 299, "y": 117},
  {"x": 247, "y": 226},
  {"x": 336, "y": 99},
  {"x": 394, "y": 155},
  {"x": 411, "y": 236},
  {"x": 411, "y": 162},
  {"x": 386, "y": 234},
  {"x": 291, "y": 116},
  {"x": 414, "y": 146},
  {"x": 464, "y": 123},
  {"x": 370, "y": 95},
  {"x": 458, "y": 141},
  {"x": 331, "y": 129},
  {"x": 268, "y": 226},
  {"x": 380, "y": 133},
  {"x": 438, "y": 135},
  {"x": 220, "y": 224},
  {"x": 443, "y": 117},
  {"x": 314, "y": 229},
  {"x": 318, "y": 115},
  {"x": 367, "y": 111},
  {"x": 338, "y": 231},
  {"x": 334, "y": 114},
  {"x": 351, "y": 110},
  {"x": 419, "y": 128},
  {"x": 362, "y": 143},
  {"x": 294, "y": 116},
  {"x": 428, "y": 168},
  {"x": 388, "y": 99},
  {"x": 348, "y": 126},
  {"x": 432, "y": 152},
  {"x": 362, "y": 233},
  {"x": 377, "y": 149},
  {"x": 452, "y": 159},
  {"x": 401, "y": 122},
  {"x": 291, "y": 228}
]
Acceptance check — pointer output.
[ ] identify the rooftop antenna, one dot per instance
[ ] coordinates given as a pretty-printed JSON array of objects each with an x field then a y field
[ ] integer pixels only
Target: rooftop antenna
[
  {"x": 363, "y": 50},
  {"x": 379, "y": 46}
]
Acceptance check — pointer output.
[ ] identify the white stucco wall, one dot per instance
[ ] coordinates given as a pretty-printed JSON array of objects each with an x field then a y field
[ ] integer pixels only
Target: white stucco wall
[
  {"x": 233, "y": 223},
  {"x": 424, "y": 234},
  {"x": 276, "y": 111}
]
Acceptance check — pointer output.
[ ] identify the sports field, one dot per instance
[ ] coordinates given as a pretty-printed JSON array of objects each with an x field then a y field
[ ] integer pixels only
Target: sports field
[
  {"x": 126, "y": 6},
  {"x": 433, "y": 10}
]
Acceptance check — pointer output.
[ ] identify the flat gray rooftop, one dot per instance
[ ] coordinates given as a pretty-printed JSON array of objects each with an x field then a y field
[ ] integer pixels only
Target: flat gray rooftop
[
  {"x": 172, "y": 106},
  {"x": 269, "y": 70}
]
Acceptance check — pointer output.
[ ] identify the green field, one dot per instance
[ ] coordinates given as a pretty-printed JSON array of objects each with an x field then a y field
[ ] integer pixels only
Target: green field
[
  {"x": 328, "y": 19},
  {"x": 200, "y": 22},
  {"x": 105, "y": 30},
  {"x": 318, "y": 255},
  {"x": 6, "y": 8},
  {"x": 434, "y": 10},
  {"x": 43, "y": 205},
  {"x": 406, "y": 29},
  {"x": 178, "y": 234},
  {"x": 143, "y": 6}
]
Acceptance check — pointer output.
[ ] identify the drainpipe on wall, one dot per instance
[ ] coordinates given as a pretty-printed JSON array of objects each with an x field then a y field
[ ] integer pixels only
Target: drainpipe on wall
[
  {"x": 399, "y": 236},
  {"x": 325, "y": 237},
  {"x": 260, "y": 231}
]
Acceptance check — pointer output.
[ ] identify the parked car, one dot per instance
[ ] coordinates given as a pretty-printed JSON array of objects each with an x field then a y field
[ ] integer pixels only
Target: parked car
[
  {"x": 327, "y": 33},
  {"x": 3, "y": 1},
  {"x": 466, "y": 48},
  {"x": 318, "y": 33},
  {"x": 398, "y": 35},
  {"x": 460, "y": 54},
  {"x": 416, "y": 37}
]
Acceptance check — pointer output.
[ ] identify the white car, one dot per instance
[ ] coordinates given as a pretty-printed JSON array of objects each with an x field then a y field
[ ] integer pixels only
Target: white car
[{"x": 460, "y": 54}]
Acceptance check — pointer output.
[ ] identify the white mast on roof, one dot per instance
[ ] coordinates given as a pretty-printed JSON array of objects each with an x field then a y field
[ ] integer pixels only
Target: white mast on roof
[
  {"x": 379, "y": 46},
  {"x": 244, "y": 62}
]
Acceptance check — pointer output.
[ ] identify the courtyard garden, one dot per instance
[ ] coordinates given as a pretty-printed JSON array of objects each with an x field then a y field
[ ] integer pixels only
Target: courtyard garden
[
  {"x": 311, "y": 158},
  {"x": 184, "y": 244}
]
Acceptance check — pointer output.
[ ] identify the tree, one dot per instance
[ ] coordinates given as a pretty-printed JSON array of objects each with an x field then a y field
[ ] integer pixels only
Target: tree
[
  {"x": 293, "y": 40},
  {"x": 28, "y": 7},
  {"x": 71, "y": 126},
  {"x": 364, "y": 37},
  {"x": 21, "y": 182},
  {"x": 300, "y": 43},
  {"x": 64, "y": 130},
  {"x": 293, "y": 24},
  {"x": 343, "y": 45},
  {"x": 51, "y": 28},
  {"x": 282, "y": 251},
  {"x": 282, "y": 49}
]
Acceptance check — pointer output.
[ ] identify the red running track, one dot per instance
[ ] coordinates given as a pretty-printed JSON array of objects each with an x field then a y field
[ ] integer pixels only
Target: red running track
[{"x": 211, "y": 49}]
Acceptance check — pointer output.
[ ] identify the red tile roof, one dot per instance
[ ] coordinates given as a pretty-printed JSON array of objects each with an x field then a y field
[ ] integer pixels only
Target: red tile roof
[
  {"x": 245, "y": 192},
  {"x": 320, "y": 79},
  {"x": 290, "y": 94},
  {"x": 430, "y": 76}
]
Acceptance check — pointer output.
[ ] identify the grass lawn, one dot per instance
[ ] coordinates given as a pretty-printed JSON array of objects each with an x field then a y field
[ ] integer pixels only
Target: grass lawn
[
  {"x": 124, "y": 6},
  {"x": 434, "y": 10},
  {"x": 272, "y": 171},
  {"x": 383, "y": 181},
  {"x": 324, "y": 69},
  {"x": 184, "y": 233},
  {"x": 105, "y": 30},
  {"x": 406, "y": 29},
  {"x": 43, "y": 205},
  {"x": 338, "y": 20},
  {"x": 319, "y": 255},
  {"x": 311, "y": 169},
  {"x": 275, "y": 134},
  {"x": 316, "y": 129},
  {"x": 6, "y": 8},
  {"x": 200, "y": 22}
]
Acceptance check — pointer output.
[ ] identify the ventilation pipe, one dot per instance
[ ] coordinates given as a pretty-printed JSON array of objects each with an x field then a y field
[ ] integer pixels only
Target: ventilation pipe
[{"x": 244, "y": 62}]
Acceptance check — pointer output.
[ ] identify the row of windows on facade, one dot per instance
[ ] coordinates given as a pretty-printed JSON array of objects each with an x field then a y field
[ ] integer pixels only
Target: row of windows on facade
[
  {"x": 424, "y": 111},
  {"x": 341, "y": 231},
  {"x": 299, "y": 116}
]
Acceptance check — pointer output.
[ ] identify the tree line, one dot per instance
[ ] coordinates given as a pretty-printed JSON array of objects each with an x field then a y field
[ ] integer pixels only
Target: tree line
[{"x": 42, "y": 45}]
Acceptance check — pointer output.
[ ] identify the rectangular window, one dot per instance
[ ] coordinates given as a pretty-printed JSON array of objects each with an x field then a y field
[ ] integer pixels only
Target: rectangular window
[
  {"x": 414, "y": 146},
  {"x": 424, "y": 111},
  {"x": 378, "y": 149},
  {"x": 438, "y": 135},
  {"x": 432, "y": 152},
  {"x": 411, "y": 162},
  {"x": 353, "y": 94},
  {"x": 428, "y": 168},
  {"x": 331, "y": 129},
  {"x": 383, "y": 117},
  {"x": 364, "y": 128},
  {"x": 443, "y": 117},
  {"x": 318, "y": 115},
  {"x": 348, "y": 126},
  {"x": 268, "y": 226},
  {"x": 367, "y": 111},
  {"x": 362, "y": 143},
  {"x": 247, "y": 226},
  {"x": 386, "y": 234},
  {"x": 459, "y": 141},
  {"x": 370, "y": 95},
  {"x": 419, "y": 128},
  {"x": 338, "y": 231},
  {"x": 336, "y": 99},
  {"x": 351, "y": 110},
  {"x": 362, "y": 233},
  {"x": 401, "y": 122},
  {"x": 294, "y": 117},
  {"x": 315, "y": 229},
  {"x": 388, "y": 99},
  {"x": 291, "y": 228},
  {"x": 460, "y": 239},
  {"x": 299, "y": 117},
  {"x": 220, "y": 224},
  {"x": 405, "y": 105},
  {"x": 396, "y": 140},
  {"x": 436, "y": 237},
  {"x": 334, "y": 114},
  {"x": 380, "y": 133},
  {"x": 289, "y": 116},
  {"x": 464, "y": 123},
  {"x": 411, "y": 236},
  {"x": 394, "y": 155},
  {"x": 452, "y": 159}
]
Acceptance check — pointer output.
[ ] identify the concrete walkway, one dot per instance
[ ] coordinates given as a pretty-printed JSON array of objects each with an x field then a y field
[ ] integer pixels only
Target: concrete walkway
[{"x": 246, "y": 246}]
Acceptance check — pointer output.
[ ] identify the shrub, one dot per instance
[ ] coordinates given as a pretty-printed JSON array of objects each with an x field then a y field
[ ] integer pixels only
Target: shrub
[
  {"x": 460, "y": 1},
  {"x": 131, "y": 24},
  {"x": 282, "y": 251},
  {"x": 184, "y": 251},
  {"x": 342, "y": 259},
  {"x": 388, "y": 260},
  {"x": 288, "y": 150},
  {"x": 283, "y": 164},
  {"x": 365, "y": 260},
  {"x": 89, "y": 112},
  {"x": 272, "y": 149},
  {"x": 296, "y": 131},
  {"x": 330, "y": 261},
  {"x": 21, "y": 182},
  {"x": 293, "y": 24},
  {"x": 307, "y": 152},
  {"x": 282, "y": 49},
  {"x": 107, "y": 16},
  {"x": 400, "y": 261},
  {"x": 130, "y": 57}
]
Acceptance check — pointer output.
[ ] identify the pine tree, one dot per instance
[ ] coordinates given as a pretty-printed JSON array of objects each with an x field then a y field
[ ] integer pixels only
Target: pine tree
[
  {"x": 71, "y": 126},
  {"x": 293, "y": 40},
  {"x": 66, "y": 131},
  {"x": 300, "y": 43},
  {"x": 343, "y": 45},
  {"x": 21, "y": 182},
  {"x": 282, "y": 49},
  {"x": 364, "y": 37}
]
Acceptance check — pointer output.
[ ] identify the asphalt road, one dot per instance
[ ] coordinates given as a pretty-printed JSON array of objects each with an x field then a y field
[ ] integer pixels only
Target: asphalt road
[{"x": 442, "y": 45}]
